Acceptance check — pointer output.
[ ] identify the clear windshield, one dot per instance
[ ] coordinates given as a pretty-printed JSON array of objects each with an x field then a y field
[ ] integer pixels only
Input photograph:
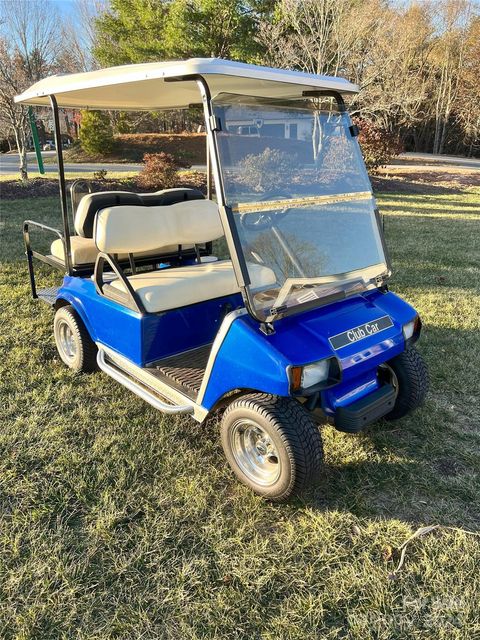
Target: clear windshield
[{"x": 301, "y": 201}]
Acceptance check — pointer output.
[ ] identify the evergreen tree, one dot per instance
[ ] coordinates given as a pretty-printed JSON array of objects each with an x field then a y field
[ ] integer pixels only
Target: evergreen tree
[
  {"x": 151, "y": 30},
  {"x": 96, "y": 134}
]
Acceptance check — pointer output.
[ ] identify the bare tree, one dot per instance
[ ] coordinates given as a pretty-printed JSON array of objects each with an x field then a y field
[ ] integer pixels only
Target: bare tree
[
  {"x": 453, "y": 17},
  {"x": 81, "y": 35},
  {"x": 306, "y": 35},
  {"x": 468, "y": 99},
  {"x": 382, "y": 49},
  {"x": 30, "y": 44},
  {"x": 394, "y": 75},
  {"x": 14, "y": 118}
]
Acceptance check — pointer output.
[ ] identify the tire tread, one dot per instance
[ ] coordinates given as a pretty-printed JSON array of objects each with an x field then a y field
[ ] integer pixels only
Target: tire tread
[
  {"x": 298, "y": 432},
  {"x": 410, "y": 366},
  {"x": 88, "y": 360}
]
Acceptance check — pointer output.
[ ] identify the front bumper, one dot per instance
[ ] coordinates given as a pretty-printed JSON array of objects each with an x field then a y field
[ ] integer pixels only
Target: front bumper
[{"x": 357, "y": 415}]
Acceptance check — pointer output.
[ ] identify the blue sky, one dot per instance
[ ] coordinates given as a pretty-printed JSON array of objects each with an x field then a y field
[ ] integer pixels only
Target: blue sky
[{"x": 65, "y": 7}]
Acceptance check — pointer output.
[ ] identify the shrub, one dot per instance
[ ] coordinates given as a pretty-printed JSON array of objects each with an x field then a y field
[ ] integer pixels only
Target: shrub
[
  {"x": 96, "y": 133},
  {"x": 159, "y": 171},
  {"x": 268, "y": 170},
  {"x": 378, "y": 145},
  {"x": 101, "y": 174}
]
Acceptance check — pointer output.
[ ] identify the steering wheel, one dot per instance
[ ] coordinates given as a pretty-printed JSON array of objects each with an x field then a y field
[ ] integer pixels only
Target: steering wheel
[{"x": 264, "y": 220}]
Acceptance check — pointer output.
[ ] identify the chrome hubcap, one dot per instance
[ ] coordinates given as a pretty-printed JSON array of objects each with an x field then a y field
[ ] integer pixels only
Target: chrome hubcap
[
  {"x": 255, "y": 453},
  {"x": 68, "y": 343}
]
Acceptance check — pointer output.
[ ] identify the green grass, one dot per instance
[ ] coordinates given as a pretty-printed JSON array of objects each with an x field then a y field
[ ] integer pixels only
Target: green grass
[{"x": 120, "y": 522}]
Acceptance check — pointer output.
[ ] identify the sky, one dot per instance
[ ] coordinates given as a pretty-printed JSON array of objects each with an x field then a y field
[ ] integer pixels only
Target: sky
[{"x": 65, "y": 7}]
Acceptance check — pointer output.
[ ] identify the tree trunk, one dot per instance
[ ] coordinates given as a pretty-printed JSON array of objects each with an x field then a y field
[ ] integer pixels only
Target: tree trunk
[{"x": 22, "y": 155}]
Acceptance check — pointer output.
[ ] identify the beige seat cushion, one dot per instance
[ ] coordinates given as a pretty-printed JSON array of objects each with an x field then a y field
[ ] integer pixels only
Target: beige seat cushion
[
  {"x": 85, "y": 252},
  {"x": 178, "y": 287}
]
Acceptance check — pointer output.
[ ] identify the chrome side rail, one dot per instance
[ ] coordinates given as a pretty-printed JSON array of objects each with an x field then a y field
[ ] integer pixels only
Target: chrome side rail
[{"x": 138, "y": 389}]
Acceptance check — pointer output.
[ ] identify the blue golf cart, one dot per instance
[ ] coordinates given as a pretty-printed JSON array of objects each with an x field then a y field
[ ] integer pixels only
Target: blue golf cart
[{"x": 268, "y": 303}]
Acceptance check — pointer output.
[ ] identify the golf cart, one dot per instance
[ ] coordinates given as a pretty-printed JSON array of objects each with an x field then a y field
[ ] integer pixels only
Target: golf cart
[{"x": 297, "y": 326}]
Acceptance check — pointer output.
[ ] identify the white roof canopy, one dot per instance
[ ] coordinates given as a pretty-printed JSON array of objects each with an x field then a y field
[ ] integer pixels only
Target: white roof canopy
[{"x": 138, "y": 87}]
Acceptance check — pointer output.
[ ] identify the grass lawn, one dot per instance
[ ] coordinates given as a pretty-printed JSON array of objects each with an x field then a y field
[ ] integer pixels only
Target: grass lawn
[{"x": 120, "y": 522}]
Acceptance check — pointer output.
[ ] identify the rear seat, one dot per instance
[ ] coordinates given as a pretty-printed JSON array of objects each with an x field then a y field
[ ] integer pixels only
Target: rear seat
[
  {"x": 123, "y": 229},
  {"x": 83, "y": 249}
]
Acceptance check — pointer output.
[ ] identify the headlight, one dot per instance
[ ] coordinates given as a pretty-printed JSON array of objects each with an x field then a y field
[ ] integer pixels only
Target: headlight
[
  {"x": 411, "y": 330},
  {"x": 315, "y": 376},
  {"x": 314, "y": 373}
]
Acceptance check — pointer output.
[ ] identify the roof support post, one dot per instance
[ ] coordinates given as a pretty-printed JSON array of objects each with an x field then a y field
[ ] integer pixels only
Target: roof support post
[
  {"x": 209, "y": 168},
  {"x": 226, "y": 215},
  {"x": 61, "y": 183}
]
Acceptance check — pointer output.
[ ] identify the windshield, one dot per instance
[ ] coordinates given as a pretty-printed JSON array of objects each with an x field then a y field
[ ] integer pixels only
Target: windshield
[{"x": 301, "y": 201}]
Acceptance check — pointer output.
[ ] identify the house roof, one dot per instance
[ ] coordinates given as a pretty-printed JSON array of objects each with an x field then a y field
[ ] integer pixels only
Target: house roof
[{"x": 138, "y": 87}]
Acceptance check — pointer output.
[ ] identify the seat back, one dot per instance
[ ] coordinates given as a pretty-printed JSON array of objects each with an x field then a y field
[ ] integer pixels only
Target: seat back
[
  {"x": 170, "y": 196},
  {"x": 91, "y": 203},
  {"x": 133, "y": 229}
]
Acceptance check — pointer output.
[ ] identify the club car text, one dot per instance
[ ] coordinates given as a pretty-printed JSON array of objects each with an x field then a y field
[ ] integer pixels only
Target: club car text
[{"x": 360, "y": 332}]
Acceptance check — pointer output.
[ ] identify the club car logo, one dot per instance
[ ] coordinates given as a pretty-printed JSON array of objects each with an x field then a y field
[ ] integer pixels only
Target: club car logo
[{"x": 360, "y": 332}]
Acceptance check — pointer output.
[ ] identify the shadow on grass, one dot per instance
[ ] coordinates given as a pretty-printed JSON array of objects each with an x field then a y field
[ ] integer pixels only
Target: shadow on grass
[
  {"x": 422, "y": 469},
  {"x": 416, "y": 490},
  {"x": 411, "y": 187}
]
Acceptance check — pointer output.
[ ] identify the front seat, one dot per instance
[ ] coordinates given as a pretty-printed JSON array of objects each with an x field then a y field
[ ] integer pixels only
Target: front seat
[{"x": 122, "y": 229}]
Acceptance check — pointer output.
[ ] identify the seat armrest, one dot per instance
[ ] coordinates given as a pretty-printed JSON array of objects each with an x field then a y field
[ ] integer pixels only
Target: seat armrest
[{"x": 133, "y": 300}]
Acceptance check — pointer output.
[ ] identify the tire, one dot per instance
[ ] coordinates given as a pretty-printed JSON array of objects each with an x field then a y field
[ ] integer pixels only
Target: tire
[
  {"x": 74, "y": 344},
  {"x": 272, "y": 445},
  {"x": 410, "y": 375}
]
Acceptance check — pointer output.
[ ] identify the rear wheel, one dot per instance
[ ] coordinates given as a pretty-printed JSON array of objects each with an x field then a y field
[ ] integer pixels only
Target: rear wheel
[
  {"x": 408, "y": 374},
  {"x": 272, "y": 445},
  {"x": 74, "y": 344}
]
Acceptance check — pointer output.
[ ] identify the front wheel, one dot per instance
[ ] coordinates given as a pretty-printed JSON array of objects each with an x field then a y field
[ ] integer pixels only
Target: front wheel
[
  {"x": 272, "y": 445},
  {"x": 408, "y": 374}
]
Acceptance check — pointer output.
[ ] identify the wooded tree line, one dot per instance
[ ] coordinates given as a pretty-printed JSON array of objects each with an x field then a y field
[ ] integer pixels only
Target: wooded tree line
[{"x": 417, "y": 64}]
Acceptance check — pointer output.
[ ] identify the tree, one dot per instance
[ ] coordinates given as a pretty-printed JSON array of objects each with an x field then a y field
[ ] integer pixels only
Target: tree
[
  {"x": 152, "y": 30},
  {"x": 131, "y": 31},
  {"x": 449, "y": 58},
  {"x": 96, "y": 134},
  {"x": 394, "y": 78},
  {"x": 468, "y": 98},
  {"x": 211, "y": 28},
  {"x": 14, "y": 117},
  {"x": 80, "y": 34},
  {"x": 310, "y": 34},
  {"x": 366, "y": 41},
  {"x": 29, "y": 46},
  {"x": 416, "y": 64}
]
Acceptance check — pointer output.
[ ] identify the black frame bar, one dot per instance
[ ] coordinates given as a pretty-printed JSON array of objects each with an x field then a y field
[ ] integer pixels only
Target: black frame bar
[
  {"x": 30, "y": 253},
  {"x": 61, "y": 182},
  {"x": 226, "y": 215},
  {"x": 131, "y": 294}
]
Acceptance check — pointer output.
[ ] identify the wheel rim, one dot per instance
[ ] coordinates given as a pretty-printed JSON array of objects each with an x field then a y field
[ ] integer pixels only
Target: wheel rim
[
  {"x": 68, "y": 344},
  {"x": 255, "y": 453}
]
